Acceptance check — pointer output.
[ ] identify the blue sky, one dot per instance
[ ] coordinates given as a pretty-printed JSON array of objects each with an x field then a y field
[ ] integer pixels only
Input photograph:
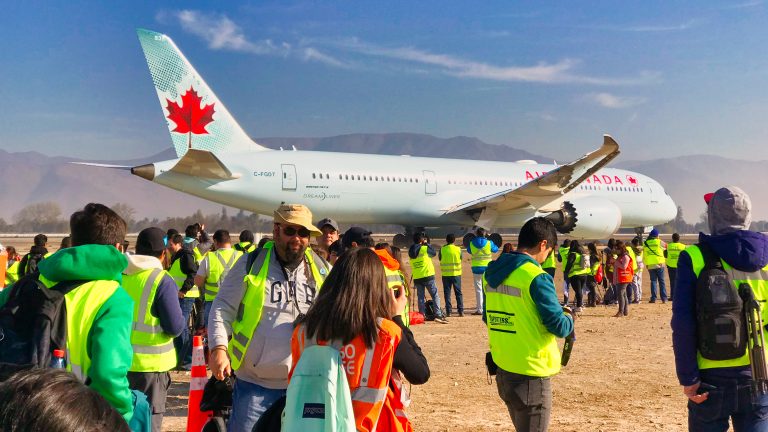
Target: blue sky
[{"x": 664, "y": 78}]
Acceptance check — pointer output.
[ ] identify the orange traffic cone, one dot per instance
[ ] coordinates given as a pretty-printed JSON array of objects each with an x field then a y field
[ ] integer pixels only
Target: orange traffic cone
[{"x": 196, "y": 419}]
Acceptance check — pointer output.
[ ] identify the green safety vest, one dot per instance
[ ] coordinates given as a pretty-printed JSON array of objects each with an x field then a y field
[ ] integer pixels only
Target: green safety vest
[
  {"x": 576, "y": 269},
  {"x": 758, "y": 281},
  {"x": 563, "y": 252},
  {"x": 219, "y": 265},
  {"x": 153, "y": 349},
  {"x": 653, "y": 253},
  {"x": 673, "y": 253},
  {"x": 481, "y": 257},
  {"x": 595, "y": 266},
  {"x": 550, "y": 261},
  {"x": 631, "y": 252},
  {"x": 395, "y": 278},
  {"x": 249, "y": 312},
  {"x": 518, "y": 339},
  {"x": 422, "y": 265},
  {"x": 450, "y": 260},
  {"x": 83, "y": 304},
  {"x": 198, "y": 255},
  {"x": 12, "y": 273},
  {"x": 179, "y": 277},
  {"x": 246, "y": 247}
]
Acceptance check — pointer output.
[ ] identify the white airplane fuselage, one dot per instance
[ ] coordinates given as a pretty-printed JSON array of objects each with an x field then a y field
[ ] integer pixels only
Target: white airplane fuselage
[{"x": 404, "y": 190}]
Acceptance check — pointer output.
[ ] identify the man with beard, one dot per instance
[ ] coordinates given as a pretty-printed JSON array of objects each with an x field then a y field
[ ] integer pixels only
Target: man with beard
[{"x": 257, "y": 304}]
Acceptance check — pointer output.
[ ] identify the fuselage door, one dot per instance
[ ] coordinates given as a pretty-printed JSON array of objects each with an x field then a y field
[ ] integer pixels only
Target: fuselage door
[
  {"x": 289, "y": 176},
  {"x": 430, "y": 184},
  {"x": 654, "y": 197}
]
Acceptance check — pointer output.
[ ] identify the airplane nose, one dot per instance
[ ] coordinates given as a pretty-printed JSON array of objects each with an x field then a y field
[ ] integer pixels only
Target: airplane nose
[{"x": 670, "y": 208}]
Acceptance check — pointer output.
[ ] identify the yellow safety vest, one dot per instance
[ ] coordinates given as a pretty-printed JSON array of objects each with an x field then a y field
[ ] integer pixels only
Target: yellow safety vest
[
  {"x": 395, "y": 278},
  {"x": 673, "y": 253},
  {"x": 563, "y": 252},
  {"x": 422, "y": 265},
  {"x": 576, "y": 269},
  {"x": 481, "y": 257},
  {"x": 246, "y": 247},
  {"x": 249, "y": 312},
  {"x": 179, "y": 277},
  {"x": 12, "y": 273},
  {"x": 653, "y": 253},
  {"x": 153, "y": 349},
  {"x": 518, "y": 339},
  {"x": 83, "y": 304},
  {"x": 219, "y": 265},
  {"x": 758, "y": 281},
  {"x": 550, "y": 261},
  {"x": 631, "y": 252},
  {"x": 450, "y": 260}
]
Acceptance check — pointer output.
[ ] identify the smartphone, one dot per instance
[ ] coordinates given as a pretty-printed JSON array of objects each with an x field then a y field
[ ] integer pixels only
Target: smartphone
[{"x": 704, "y": 388}]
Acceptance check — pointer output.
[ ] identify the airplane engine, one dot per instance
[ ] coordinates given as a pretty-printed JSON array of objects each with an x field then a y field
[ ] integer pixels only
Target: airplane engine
[{"x": 587, "y": 218}]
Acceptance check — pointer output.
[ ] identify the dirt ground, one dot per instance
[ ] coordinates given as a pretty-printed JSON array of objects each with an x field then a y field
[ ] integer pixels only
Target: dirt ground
[{"x": 620, "y": 376}]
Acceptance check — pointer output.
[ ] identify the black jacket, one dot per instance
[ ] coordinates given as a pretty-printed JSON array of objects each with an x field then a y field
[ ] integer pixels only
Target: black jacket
[
  {"x": 188, "y": 266},
  {"x": 34, "y": 250},
  {"x": 408, "y": 356}
]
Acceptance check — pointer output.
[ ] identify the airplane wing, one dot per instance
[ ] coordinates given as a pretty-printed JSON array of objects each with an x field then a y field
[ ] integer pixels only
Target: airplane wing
[{"x": 544, "y": 193}]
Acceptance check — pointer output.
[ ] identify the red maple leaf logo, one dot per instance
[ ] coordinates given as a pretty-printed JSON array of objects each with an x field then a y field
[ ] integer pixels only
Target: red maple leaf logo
[
  {"x": 631, "y": 180},
  {"x": 191, "y": 117}
]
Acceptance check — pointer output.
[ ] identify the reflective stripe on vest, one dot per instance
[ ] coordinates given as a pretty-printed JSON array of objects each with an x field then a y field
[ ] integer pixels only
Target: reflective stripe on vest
[
  {"x": 576, "y": 269},
  {"x": 518, "y": 339},
  {"x": 12, "y": 273},
  {"x": 198, "y": 255},
  {"x": 481, "y": 257},
  {"x": 179, "y": 277},
  {"x": 246, "y": 247},
  {"x": 422, "y": 265},
  {"x": 550, "y": 261},
  {"x": 252, "y": 304},
  {"x": 218, "y": 270},
  {"x": 368, "y": 369},
  {"x": 653, "y": 253},
  {"x": 82, "y": 303},
  {"x": 673, "y": 253},
  {"x": 450, "y": 260},
  {"x": 396, "y": 278},
  {"x": 758, "y": 281},
  {"x": 153, "y": 349}
]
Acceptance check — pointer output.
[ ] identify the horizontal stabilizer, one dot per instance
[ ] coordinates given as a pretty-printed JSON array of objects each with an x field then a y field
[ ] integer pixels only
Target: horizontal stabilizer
[{"x": 201, "y": 163}]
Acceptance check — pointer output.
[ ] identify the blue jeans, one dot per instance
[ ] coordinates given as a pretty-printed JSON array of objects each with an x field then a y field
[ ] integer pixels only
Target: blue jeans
[
  {"x": 207, "y": 309},
  {"x": 183, "y": 342},
  {"x": 249, "y": 402},
  {"x": 455, "y": 282},
  {"x": 430, "y": 285},
  {"x": 730, "y": 399},
  {"x": 657, "y": 275}
]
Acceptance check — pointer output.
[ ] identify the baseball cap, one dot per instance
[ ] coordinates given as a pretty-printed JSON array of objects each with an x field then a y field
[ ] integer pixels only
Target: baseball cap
[
  {"x": 150, "y": 240},
  {"x": 708, "y": 197},
  {"x": 296, "y": 214},
  {"x": 328, "y": 221},
  {"x": 359, "y": 235}
]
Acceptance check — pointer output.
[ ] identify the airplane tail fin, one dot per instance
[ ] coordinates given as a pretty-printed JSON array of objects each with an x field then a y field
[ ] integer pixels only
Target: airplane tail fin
[{"x": 196, "y": 118}]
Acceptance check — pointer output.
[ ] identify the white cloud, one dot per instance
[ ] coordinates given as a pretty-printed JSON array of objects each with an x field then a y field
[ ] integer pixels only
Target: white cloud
[
  {"x": 650, "y": 28},
  {"x": 608, "y": 100},
  {"x": 221, "y": 33}
]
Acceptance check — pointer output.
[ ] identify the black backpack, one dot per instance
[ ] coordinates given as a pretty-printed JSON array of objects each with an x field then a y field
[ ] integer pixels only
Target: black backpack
[
  {"x": 33, "y": 323},
  {"x": 31, "y": 264},
  {"x": 429, "y": 310},
  {"x": 721, "y": 329}
]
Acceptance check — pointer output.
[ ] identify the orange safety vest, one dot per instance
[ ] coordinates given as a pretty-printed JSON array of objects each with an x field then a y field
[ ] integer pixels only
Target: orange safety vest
[
  {"x": 369, "y": 372},
  {"x": 625, "y": 274}
]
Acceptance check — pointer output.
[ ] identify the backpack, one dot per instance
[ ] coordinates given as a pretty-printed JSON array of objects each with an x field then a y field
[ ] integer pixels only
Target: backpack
[
  {"x": 33, "y": 322},
  {"x": 31, "y": 265},
  {"x": 721, "y": 329},
  {"x": 585, "y": 262},
  {"x": 318, "y": 397},
  {"x": 429, "y": 310}
]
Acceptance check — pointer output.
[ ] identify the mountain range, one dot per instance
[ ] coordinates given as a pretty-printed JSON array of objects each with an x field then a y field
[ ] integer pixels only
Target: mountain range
[{"x": 31, "y": 177}]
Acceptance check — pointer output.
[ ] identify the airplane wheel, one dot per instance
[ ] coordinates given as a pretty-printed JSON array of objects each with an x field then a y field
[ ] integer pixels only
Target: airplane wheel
[
  {"x": 468, "y": 237},
  {"x": 496, "y": 239},
  {"x": 399, "y": 240}
]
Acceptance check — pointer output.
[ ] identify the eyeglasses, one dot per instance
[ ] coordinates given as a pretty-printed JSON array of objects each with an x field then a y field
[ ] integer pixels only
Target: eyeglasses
[{"x": 292, "y": 231}]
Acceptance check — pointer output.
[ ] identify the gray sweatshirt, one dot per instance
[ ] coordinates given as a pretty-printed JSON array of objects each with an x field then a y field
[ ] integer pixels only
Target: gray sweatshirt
[{"x": 268, "y": 358}]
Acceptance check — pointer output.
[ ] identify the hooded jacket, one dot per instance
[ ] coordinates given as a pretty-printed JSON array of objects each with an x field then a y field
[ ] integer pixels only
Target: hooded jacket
[
  {"x": 479, "y": 243},
  {"x": 542, "y": 291},
  {"x": 387, "y": 259},
  {"x": 744, "y": 250},
  {"x": 109, "y": 338}
]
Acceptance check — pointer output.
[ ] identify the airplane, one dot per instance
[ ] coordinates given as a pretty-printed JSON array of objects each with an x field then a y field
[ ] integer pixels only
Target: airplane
[{"x": 218, "y": 161}]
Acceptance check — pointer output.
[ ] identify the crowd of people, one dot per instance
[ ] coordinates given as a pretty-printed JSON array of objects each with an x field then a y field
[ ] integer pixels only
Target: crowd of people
[{"x": 131, "y": 315}]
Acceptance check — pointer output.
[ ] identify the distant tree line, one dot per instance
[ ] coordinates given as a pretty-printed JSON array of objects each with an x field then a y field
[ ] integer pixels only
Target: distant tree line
[{"x": 47, "y": 217}]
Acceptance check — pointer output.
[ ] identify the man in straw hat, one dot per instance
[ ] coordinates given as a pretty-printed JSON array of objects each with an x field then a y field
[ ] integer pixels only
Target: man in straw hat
[{"x": 257, "y": 304}]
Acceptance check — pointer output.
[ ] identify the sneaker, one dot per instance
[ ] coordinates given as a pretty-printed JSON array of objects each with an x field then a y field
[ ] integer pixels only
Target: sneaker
[
  {"x": 441, "y": 320},
  {"x": 461, "y": 314},
  {"x": 477, "y": 313},
  {"x": 652, "y": 301},
  {"x": 447, "y": 314}
]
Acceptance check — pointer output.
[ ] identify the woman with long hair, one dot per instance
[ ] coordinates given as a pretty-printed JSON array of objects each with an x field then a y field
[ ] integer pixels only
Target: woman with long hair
[
  {"x": 622, "y": 277},
  {"x": 357, "y": 310}
]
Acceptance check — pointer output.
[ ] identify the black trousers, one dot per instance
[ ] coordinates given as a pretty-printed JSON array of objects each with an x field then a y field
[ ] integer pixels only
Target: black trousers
[
  {"x": 578, "y": 283},
  {"x": 528, "y": 400},
  {"x": 155, "y": 386},
  {"x": 672, "y": 279}
]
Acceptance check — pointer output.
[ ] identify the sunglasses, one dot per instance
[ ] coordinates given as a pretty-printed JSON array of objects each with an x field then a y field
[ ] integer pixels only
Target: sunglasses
[{"x": 292, "y": 231}]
